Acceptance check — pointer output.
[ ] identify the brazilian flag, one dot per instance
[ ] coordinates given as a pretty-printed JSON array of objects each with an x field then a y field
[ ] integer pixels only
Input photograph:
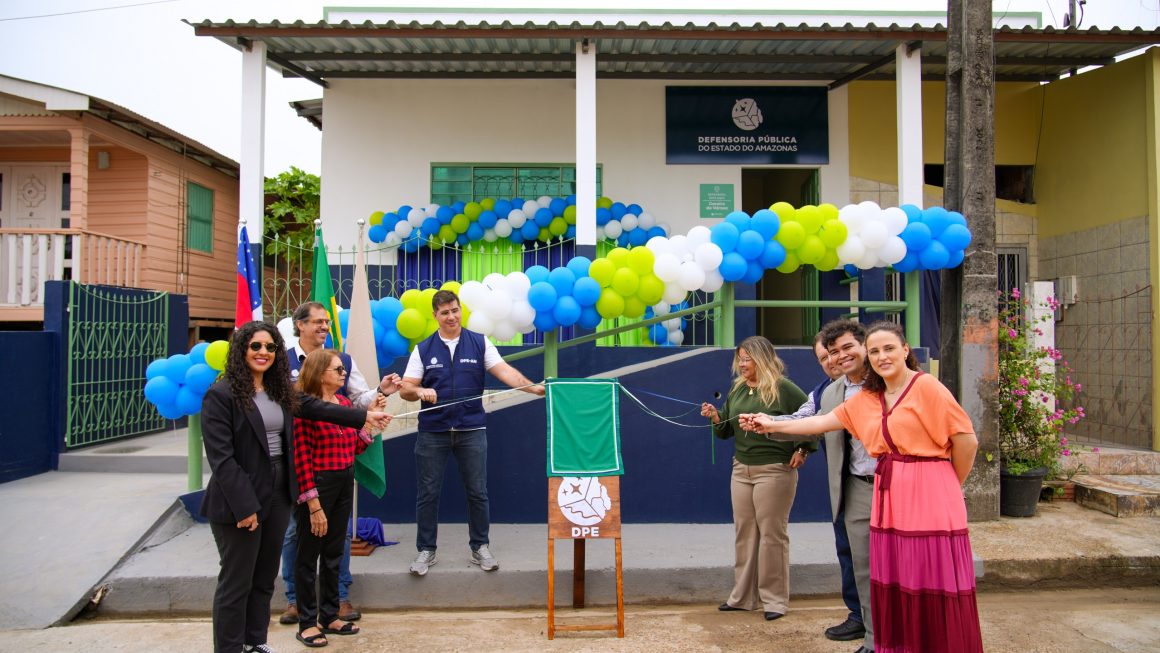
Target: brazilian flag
[{"x": 322, "y": 290}]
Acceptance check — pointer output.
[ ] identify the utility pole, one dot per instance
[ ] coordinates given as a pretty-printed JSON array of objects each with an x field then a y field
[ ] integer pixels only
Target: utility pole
[{"x": 969, "y": 363}]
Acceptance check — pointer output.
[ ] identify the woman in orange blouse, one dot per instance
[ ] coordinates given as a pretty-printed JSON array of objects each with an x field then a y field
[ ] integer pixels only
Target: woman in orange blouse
[{"x": 922, "y": 581}]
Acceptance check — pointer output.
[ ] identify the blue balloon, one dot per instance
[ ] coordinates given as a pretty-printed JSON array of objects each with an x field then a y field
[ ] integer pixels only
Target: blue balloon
[
  {"x": 517, "y": 202},
  {"x": 589, "y": 318},
  {"x": 658, "y": 334},
  {"x": 530, "y": 230},
  {"x": 444, "y": 215},
  {"x": 411, "y": 245},
  {"x": 750, "y": 244},
  {"x": 386, "y": 311},
  {"x": 517, "y": 236},
  {"x": 379, "y": 329},
  {"x": 733, "y": 266},
  {"x": 462, "y": 239},
  {"x": 562, "y": 280},
  {"x": 543, "y": 217},
  {"x": 851, "y": 270},
  {"x": 739, "y": 219},
  {"x": 571, "y": 200},
  {"x": 618, "y": 210},
  {"x": 579, "y": 266},
  {"x": 935, "y": 256},
  {"x": 160, "y": 390},
  {"x": 487, "y": 219},
  {"x": 753, "y": 272},
  {"x": 187, "y": 401},
  {"x": 725, "y": 235},
  {"x": 430, "y": 227},
  {"x": 404, "y": 211},
  {"x": 586, "y": 291},
  {"x": 913, "y": 213},
  {"x": 196, "y": 354},
  {"x": 956, "y": 259},
  {"x": 622, "y": 239},
  {"x": 170, "y": 410},
  {"x": 502, "y": 208},
  {"x": 656, "y": 231},
  {"x": 602, "y": 217},
  {"x": 542, "y": 296},
  {"x": 475, "y": 231},
  {"x": 909, "y": 263},
  {"x": 200, "y": 377},
  {"x": 377, "y": 233},
  {"x": 390, "y": 220},
  {"x": 637, "y": 237},
  {"x": 458, "y": 207},
  {"x": 955, "y": 237},
  {"x": 557, "y": 206},
  {"x": 567, "y": 310},
  {"x": 772, "y": 255},
  {"x": 635, "y": 209},
  {"x": 395, "y": 344},
  {"x": 937, "y": 218},
  {"x": 916, "y": 235},
  {"x": 956, "y": 218},
  {"x": 537, "y": 273},
  {"x": 343, "y": 321},
  {"x": 177, "y": 366},
  {"x": 571, "y": 232},
  {"x": 766, "y": 223},
  {"x": 545, "y": 321}
]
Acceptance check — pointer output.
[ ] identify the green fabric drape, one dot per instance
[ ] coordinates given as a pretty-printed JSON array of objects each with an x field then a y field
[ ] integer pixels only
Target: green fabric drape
[
  {"x": 584, "y": 427},
  {"x": 502, "y": 256}
]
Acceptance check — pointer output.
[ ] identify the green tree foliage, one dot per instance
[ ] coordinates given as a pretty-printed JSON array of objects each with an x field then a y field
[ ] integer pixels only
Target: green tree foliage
[{"x": 292, "y": 205}]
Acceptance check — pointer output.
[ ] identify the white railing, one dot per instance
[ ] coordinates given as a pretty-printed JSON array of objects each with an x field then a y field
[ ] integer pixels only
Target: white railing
[{"x": 33, "y": 256}]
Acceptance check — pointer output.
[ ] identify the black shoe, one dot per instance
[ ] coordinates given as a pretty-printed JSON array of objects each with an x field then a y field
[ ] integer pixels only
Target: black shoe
[
  {"x": 725, "y": 607},
  {"x": 846, "y": 631},
  {"x": 863, "y": 649},
  {"x": 770, "y": 616}
]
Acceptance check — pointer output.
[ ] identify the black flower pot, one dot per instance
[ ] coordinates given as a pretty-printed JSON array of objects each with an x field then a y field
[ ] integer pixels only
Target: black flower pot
[{"x": 1019, "y": 493}]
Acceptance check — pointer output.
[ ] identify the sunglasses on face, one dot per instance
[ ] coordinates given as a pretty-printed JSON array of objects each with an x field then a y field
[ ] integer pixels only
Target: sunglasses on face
[
  {"x": 257, "y": 346},
  {"x": 340, "y": 369}
]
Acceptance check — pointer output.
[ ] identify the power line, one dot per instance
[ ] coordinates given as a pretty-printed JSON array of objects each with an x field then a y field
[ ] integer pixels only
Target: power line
[{"x": 86, "y": 11}]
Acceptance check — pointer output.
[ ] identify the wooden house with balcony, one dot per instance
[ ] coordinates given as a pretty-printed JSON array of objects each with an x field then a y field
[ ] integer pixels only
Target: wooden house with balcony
[{"x": 92, "y": 192}]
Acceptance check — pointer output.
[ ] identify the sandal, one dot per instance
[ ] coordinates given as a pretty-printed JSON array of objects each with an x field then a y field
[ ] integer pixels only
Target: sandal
[
  {"x": 347, "y": 629},
  {"x": 313, "y": 641}
]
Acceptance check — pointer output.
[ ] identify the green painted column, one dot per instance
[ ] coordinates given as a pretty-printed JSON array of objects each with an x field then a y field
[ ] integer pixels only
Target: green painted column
[
  {"x": 726, "y": 333},
  {"x": 912, "y": 283},
  {"x": 195, "y": 452},
  {"x": 551, "y": 353}
]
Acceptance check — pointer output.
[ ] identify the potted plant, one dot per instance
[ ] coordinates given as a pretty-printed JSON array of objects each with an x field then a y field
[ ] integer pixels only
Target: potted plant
[{"x": 1036, "y": 402}]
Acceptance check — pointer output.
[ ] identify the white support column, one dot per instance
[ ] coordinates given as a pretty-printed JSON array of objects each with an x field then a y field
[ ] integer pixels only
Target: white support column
[
  {"x": 585, "y": 144},
  {"x": 250, "y": 188},
  {"x": 908, "y": 91}
]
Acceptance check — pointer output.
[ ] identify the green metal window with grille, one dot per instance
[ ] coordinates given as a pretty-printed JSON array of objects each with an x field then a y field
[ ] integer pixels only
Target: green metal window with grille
[
  {"x": 199, "y": 218},
  {"x": 466, "y": 182}
]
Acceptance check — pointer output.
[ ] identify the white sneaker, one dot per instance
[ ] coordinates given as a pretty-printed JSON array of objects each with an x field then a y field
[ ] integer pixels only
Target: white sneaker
[
  {"x": 422, "y": 562},
  {"x": 260, "y": 648},
  {"x": 482, "y": 557}
]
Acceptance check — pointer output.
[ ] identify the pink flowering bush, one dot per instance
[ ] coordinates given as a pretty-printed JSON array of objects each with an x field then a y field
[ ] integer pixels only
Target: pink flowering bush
[{"x": 1030, "y": 429}]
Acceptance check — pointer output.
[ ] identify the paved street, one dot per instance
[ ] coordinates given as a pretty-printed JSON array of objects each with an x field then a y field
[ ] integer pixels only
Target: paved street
[{"x": 1092, "y": 621}]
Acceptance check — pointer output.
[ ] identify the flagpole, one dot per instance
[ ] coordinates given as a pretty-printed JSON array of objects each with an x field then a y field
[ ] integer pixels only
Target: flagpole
[{"x": 354, "y": 503}]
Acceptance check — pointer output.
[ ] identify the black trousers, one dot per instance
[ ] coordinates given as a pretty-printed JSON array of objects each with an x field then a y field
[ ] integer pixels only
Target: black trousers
[
  {"x": 319, "y": 557},
  {"x": 249, "y": 564}
]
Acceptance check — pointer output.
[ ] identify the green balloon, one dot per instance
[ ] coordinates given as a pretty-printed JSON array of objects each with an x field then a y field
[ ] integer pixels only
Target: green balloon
[
  {"x": 558, "y": 226},
  {"x": 411, "y": 324},
  {"x": 376, "y": 218},
  {"x": 447, "y": 234},
  {"x": 833, "y": 233},
  {"x": 791, "y": 236},
  {"x": 641, "y": 260},
  {"x": 570, "y": 214},
  {"x": 603, "y": 203},
  {"x": 459, "y": 224},
  {"x": 810, "y": 218},
  {"x": 412, "y": 298},
  {"x": 472, "y": 211},
  {"x": 811, "y": 250},
  {"x": 216, "y": 354},
  {"x": 634, "y": 308},
  {"x": 651, "y": 288},
  {"x": 602, "y": 270},
  {"x": 829, "y": 261},
  {"x": 791, "y": 263},
  {"x": 619, "y": 257},
  {"x": 610, "y": 305},
  {"x": 625, "y": 282}
]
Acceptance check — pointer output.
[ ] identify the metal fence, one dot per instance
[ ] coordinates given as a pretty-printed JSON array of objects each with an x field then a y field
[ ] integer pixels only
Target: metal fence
[{"x": 113, "y": 335}]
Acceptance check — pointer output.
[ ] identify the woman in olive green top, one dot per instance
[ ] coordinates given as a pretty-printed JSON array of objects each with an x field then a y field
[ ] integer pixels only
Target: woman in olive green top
[{"x": 764, "y": 479}]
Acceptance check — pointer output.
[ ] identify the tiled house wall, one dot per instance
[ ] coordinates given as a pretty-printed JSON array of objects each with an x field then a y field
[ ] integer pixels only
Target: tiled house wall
[{"x": 1107, "y": 334}]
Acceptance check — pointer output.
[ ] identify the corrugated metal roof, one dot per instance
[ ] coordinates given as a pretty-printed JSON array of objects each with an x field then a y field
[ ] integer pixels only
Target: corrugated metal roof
[{"x": 323, "y": 51}]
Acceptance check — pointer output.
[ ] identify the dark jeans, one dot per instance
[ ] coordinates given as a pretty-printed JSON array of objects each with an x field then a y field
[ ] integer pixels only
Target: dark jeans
[
  {"x": 846, "y": 562},
  {"x": 431, "y": 452},
  {"x": 335, "y": 494},
  {"x": 249, "y": 564},
  {"x": 290, "y": 556}
]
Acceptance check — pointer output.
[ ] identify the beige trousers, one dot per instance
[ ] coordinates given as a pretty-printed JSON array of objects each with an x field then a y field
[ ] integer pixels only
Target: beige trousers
[{"x": 762, "y": 497}]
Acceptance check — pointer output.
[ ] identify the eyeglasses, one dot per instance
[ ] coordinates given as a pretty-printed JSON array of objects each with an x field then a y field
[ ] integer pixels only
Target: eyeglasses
[
  {"x": 322, "y": 321},
  {"x": 340, "y": 369},
  {"x": 257, "y": 346},
  {"x": 745, "y": 361}
]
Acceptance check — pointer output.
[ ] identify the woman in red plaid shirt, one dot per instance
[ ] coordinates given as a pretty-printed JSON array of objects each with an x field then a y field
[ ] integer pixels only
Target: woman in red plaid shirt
[{"x": 324, "y": 462}]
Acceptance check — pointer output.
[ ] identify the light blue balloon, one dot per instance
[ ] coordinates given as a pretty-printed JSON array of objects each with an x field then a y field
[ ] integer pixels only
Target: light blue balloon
[
  {"x": 178, "y": 365},
  {"x": 766, "y": 223},
  {"x": 567, "y": 310},
  {"x": 377, "y": 233},
  {"x": 589, "y": 318},
  {"x": 488, "y": 219},
  {"x": 475, "y": 231},
  {"x": 160, "y": 390},
  {"x": 395, "y": 344},
  {"x": 545, "y": 321},
  {"x": 937, "y": 218},
  {"x": 909, "y": 263},
  {"x": 586, "y": 290},
  {"x": 772, "y": 255},
  {"x": 957, "y": 218},
  {"x": 430, "y": 227},
  {"x": 542, "y": 296},
  {"x": 196, "y": 354},
  {"x": 913, "y": 213},
  {"x": 200, "y": 377},
  {"x": 916, "y": 235},
  {"x": 724, "y": 235},
  {"x": 935, "y": 256},
  {"x": 637, "y": 237},
  {"x": 602, "y": 217},
  {"x": 530, "y": 230},
  {"x": 750, "y": 244},
  {"x": 579, "y": 266},
  {"x": 537, "y": 273},
  {"x": 543, "y": 218},
  {"x": 753, "y": 272},
  {"x": 733, "y": 266},
  {"x": 739, "y": 219},
  {"x": 955, "y": 237},
  {"x": 658, "y": 334},
  {"x": 170, "y": 410},
  {"x": 158, "y": 368},
  {"x": 562, "y": 279},
  {"x": 956, "y": 259},
  {"x": 557, "y": 206},
  {"x": 187, "y": 401}
]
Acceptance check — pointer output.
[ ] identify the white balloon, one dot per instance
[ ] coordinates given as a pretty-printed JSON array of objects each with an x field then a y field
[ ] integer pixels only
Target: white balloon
[
  {"x": 674, "y": 323},
  {"x": 699, "y": 235},
  {"x": 708, "y": 256},
  {"x": 526, "y": 329},
  {"x": 480, "y": 322},
  {"x": 472, "y": 293},
  {"x": 895, "y": 220},
  {"x": 518, "y": 284},
  {"x": 403, "y": 228},
  {"x": 416, "y": 217},
  {"x": 893, "y": 251},
  {"x": 286, "y": 328},
  {"x": 870, "y": 205},
  {"x": 522, "y": 315},
  {"x": 667, "y": 267},
  {"x": 503, "y": 228},
  {"x": 873, "y": 234},
  {"x": 852, "y": 250},
  {"x": 676, "y": 337},
  {"x": 490, "y": 236},
  {"x": 661, "y": 309},
  {"x": 495, "y": 281},
  {"x": 498, "y": 306},
  {"x": 613, "y": 229},
  {"x": 679, "y": 245},
  {"x": 530, "y": 207},
  {"x": 692, "y": 276},
  {"x": 600, "y": 235},
  {"x": 869, "y": 260},
  {"x": 851, "y": 216},
  {"x": 432, "y": 209},
  {"x": 646, "y": 221},
  {"x": 392, "y": 239},
  {"x": 503, "y": 331},
  {"x": 544, "y": 200},
  {"x": 658, "y": 245},
  {"x": 674, "y": 293},
  {"x": 629, "y": 222},
  {"x": 517, "y": 218},
  {"x": 713, "y": 281}
]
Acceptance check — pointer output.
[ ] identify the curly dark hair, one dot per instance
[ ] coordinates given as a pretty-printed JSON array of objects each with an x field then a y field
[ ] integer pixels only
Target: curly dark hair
[
  {"x": 835, "y": 329},
  {"x": 875, "y": 383},
  {"x": 276, "y": 379}
]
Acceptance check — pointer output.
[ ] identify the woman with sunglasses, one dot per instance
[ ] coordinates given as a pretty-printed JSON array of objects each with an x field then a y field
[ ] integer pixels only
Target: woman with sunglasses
[
  {"x": 247, "y": 427},
  {"x": 324, "y": 461}
]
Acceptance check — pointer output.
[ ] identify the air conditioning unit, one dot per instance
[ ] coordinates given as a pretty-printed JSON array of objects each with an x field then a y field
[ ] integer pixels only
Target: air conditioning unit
[{"x": 1067, "y": 290}]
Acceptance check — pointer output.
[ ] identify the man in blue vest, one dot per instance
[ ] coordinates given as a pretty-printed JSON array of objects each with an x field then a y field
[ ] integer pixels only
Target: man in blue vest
[
  {"x": 446, "y": 370},
  {"x": 312, "y": 326}
]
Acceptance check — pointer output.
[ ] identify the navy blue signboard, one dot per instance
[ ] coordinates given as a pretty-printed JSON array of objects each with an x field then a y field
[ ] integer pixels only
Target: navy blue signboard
[{"x": 785, "y": 125}]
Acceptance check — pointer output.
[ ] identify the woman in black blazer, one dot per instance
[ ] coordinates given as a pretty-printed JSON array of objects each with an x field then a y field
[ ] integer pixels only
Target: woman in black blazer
[{"x": 247, "y": 427}]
